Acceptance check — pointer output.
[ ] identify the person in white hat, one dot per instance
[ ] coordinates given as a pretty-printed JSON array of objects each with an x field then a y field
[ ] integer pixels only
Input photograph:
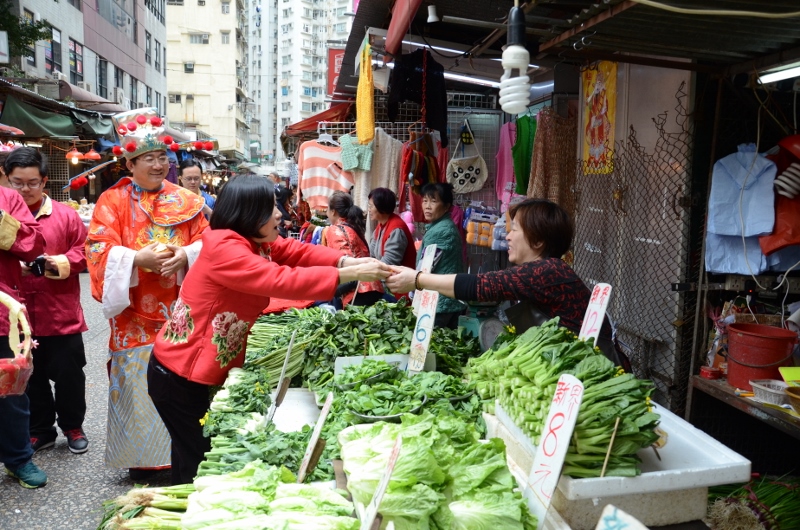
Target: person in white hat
[{"x": 144, "y": 234}]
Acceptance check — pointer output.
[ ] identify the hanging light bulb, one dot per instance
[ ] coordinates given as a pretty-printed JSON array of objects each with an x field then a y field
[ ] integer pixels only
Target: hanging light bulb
[
  {"x": 432, "y": 16},
  {"x": 515, "y": 86},
  {"x": 92, "y": 155},
  {"x": 74, "y": 156}
]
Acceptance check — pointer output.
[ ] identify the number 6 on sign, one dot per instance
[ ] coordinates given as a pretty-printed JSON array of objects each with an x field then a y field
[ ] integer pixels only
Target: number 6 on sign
[{"x": 596, "y": 312}]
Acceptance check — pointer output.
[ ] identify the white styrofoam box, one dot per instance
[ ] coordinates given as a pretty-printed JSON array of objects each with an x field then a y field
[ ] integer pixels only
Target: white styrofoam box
[
  {"x": 669, "y": 491},
  {"x": 297, "y": 410}
]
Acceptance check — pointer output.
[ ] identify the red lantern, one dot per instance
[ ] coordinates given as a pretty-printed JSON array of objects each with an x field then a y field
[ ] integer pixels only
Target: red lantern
[
  {"x": 132, "y": 126},
  {"x": 130, "y": 147},
  {"x": 174, "y": 148},
  {"x": 155, "y": 121},
  {"x": 122, "y": 130},
  {"x": 168, "y": 140},
  {"x": 75, "y": 184},
  {"x": 198, "y": 145},
  {"x": 208, "y": 146},
  {"x": 141, "y": 120},
  {"x": 117, "y": 150}
]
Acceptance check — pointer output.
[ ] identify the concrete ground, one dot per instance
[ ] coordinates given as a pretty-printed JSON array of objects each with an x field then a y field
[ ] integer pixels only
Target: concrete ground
[{"x": 78, "y": 484}]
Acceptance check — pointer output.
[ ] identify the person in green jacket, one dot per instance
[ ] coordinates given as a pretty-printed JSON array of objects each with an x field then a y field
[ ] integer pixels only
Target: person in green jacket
[{"x": 437, "y": 201}]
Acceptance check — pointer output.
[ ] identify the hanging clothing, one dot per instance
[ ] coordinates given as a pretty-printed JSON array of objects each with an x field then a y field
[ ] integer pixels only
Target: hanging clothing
[
  {"x": 127, "y": 218},
  {"x": 421, "y": 167},
  {"x": 365, "y": 102},
  {"x": 505, "y": 181},
  {"x": 553, "y": 165},
  {"x": 406, "y": 83},
  {"x": 354, "y": 154},
  {"x": 321, "y": 173},
  {"x": 522, "y": 151}
]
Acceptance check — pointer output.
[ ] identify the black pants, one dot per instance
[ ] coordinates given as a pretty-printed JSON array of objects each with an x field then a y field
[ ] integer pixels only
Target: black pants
[
  {"x": 181, "y": 404},
  {"x": 59, "y": 359}
]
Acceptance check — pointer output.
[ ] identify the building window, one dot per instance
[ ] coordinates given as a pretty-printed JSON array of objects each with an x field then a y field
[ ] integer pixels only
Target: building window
[
  {"x": 134, "y": 92},
  {"x": 285, "y": 59},
  {"x": 148, "y": 96},
  {"x": 157, "y": 57},
  {"x": 306, "y": 107},
  {"x": 285, "y": 107},
  {"x": 119, "y": 77},
  {"x": 340, "y": 28},
  {"x": 156, "y": 7},
  {"x": 174, "y": 98},
  {"x": 148, "y": 47},
  {"x": 165, "y": 60},
  {"x": 75, "y": 62},
  {"x": 102, "y": 78},
  {"x": 75, "y": 3},
  {"x": 306, "y": 91},
  {"x": 174, "y": 2},
  {"x": 158, "y": 103},
  {"x": 226, "y": 37},
  {"x": 284, "y": 90},
  {"x": 198, "y": 38},
  {"x": 226, "y": 8},
  {"x": 188, "y": 68},
  {"x": 52, "y": 53},
  {"x": 30, "y": 51}
]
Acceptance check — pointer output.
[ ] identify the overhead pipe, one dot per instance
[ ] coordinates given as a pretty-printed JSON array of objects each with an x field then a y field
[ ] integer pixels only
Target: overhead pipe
[{"x": 403, "y": 13}]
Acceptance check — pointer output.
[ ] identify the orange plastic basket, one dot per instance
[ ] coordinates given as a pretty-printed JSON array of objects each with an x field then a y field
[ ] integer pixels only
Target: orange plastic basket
[{"x": 15, "y": 372}]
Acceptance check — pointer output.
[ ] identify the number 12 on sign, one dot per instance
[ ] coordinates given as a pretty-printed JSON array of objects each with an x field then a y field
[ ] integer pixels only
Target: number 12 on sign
[
  {"x": 553, "y": 445},
  {"x": 595, "y": 312}
]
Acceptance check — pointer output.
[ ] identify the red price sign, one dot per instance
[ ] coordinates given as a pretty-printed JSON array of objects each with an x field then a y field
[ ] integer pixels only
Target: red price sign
[
  {"x": 553, "y": 445},
  {"x": 596, "y": 312}
]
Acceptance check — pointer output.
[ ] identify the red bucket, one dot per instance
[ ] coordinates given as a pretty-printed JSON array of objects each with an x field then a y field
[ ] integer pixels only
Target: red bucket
[{"x": 755, "y": 351}]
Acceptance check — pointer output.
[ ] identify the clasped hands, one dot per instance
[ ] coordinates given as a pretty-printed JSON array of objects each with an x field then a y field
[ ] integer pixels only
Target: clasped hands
[
  {"x": 398, "y": 279},
  {"x": 165, "y": 263}
]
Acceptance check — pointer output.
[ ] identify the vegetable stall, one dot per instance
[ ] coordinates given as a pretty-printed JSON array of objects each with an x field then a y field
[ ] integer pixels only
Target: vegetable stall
[{"x": 468, "y": 432}]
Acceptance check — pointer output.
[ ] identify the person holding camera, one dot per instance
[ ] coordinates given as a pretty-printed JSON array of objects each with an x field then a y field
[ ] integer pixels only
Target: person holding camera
[
  {"x": 52, "y": 291},
  {"x": 21, "y": 238}
]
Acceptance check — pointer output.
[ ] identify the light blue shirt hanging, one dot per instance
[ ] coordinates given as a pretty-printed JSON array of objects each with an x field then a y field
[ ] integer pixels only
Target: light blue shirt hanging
[
  {"x": 726, "y": 255},
  {"x": 749, "y": 170}
]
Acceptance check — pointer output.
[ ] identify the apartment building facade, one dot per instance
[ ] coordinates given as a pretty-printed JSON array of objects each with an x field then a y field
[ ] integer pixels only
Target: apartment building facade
[
  {"x": 290, "y": 62},
  {"x": 111, "y": 48},
  {"x": 208, "y": 63}
]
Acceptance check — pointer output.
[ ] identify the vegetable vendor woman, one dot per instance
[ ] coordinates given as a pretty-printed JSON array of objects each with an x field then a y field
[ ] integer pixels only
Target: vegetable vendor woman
[
  {"x": 541, "y": 232},
  {"x": 242, "y": 264}
]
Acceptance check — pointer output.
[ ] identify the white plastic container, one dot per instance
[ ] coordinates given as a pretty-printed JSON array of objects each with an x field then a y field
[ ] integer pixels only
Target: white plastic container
[{"x": 671, "y": 490}]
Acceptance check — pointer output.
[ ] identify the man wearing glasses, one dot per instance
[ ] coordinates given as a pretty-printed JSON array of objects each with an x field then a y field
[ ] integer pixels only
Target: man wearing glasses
[
  {"x": 191, "y": 174},
  {"x": 144, "y": 234},
  {"x": 52, "y": 291}
]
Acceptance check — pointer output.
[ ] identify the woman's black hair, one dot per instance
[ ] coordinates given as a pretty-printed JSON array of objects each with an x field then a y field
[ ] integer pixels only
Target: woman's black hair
[
  {"x": 244, "y": 205},
  {"x": 342, "y": 203},
  {"x": 189, "y": 162},
  {"x": 23, "y": 157},
  {"x": 444, "y": 192},
  {"x": 384, "y": 200},
  {"x": 282, "y": 194}
]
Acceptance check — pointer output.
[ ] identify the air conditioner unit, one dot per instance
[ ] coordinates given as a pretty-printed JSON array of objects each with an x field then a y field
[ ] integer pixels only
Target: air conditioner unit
[
  {"x": 204, "y": 36},
  {"x": 119, "y": 95},
  {"x": 59, "y": 76},
  {"x": 127, "y": 103},
  {"x": 140, "y": 105},
  {"x": 189, "y": 96},
  {"x": 84, "y": 85},
  {"x": 37, "y": 17}
]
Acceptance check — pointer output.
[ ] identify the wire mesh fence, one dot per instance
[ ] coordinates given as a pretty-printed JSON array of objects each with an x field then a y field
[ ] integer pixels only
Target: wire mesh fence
[{"x": 633, "y": 232}]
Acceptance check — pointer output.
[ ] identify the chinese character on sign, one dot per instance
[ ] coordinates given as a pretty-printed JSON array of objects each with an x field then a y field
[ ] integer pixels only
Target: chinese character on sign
[{"x": 561, "y": 390}]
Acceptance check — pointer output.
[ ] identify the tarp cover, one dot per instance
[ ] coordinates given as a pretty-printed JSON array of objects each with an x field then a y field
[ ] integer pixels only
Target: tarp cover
[{"x": 35, "y": 122}]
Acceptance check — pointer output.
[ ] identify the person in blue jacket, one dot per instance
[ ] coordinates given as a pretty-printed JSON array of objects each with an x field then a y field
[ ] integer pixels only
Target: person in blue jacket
[{"x": 191, "y": 174}]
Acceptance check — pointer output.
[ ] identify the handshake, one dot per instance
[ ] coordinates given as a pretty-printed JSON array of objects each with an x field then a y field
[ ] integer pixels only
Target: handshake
[{"x": 398, "y": 279}]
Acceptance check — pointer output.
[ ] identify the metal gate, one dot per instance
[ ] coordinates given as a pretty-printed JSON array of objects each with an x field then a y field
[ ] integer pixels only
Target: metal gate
[{"x": 633, "y": 232}]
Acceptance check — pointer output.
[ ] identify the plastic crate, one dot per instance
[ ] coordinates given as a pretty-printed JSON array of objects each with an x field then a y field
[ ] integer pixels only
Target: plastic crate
[{"x": 770, "y": 391}]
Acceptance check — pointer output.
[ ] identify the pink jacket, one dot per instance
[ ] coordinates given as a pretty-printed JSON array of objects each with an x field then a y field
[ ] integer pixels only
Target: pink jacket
[
  {"x": 54, "y": 300},
  {"x": 21, "y": 239}
]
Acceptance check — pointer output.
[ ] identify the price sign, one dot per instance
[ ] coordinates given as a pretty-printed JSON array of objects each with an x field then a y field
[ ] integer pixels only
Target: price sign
[
  {"x": 283, "y": 383},
  {"x": 425, "y": 266},
  {"x": 596, "y": 312},
  {"x": 312, "y": 444},
  {"x": 613, "y": 518},
  {"x": 372, "y": 508},
  {"x": 423, "y": 329},
  {"x": 553, "y": 444}
]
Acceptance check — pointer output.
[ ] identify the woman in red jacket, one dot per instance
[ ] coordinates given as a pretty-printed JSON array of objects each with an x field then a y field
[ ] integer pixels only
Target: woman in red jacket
[
  {"x": 242, "y": 264},
  {"x": 392, "y": 241}
]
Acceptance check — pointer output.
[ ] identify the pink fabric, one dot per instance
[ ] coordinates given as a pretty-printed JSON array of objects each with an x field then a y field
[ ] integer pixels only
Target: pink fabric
[
  {"x": 457, "y": 214},
  {"x": 505, "y": 181}
]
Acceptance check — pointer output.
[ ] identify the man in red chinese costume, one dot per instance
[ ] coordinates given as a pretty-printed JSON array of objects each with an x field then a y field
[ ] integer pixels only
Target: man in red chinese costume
[{"x": 144, "y": 235}]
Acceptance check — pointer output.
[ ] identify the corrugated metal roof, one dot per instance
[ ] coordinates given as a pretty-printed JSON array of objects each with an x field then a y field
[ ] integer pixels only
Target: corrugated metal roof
[{"x": 581, "y": 30}]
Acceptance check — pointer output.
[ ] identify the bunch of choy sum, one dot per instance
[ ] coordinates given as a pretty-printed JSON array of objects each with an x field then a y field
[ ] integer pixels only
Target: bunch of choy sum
[
  {"x": 767, "y": 503},
  {"x": 152, "y": 508},
  {"x": 522, "y": 376}
]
